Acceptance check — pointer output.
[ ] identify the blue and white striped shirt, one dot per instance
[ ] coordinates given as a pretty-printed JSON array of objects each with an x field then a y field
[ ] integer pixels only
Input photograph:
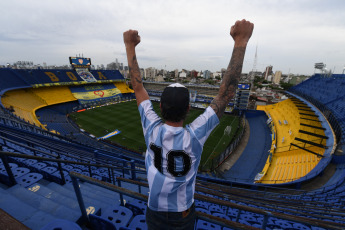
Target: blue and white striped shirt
[{"x": 172, "y": 157}]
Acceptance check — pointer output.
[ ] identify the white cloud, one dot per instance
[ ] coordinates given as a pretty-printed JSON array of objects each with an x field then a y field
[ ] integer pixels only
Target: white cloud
[{"x": 176, "y": 34}]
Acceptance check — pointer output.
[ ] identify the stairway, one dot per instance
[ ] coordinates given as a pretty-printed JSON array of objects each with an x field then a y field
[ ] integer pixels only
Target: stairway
[{"x": 45, "y": 201}]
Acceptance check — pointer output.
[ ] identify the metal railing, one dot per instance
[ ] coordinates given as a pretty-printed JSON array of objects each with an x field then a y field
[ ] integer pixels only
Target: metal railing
[
  {"x": 81, "y": 155},
  {"x": 4, "y": 156},
  {"x": 122, "y": 191},
  {"x": 209, "y": 218}
]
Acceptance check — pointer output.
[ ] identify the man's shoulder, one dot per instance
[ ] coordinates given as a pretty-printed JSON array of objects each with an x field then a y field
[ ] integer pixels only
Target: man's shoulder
[{"x": 207, "y": 115}]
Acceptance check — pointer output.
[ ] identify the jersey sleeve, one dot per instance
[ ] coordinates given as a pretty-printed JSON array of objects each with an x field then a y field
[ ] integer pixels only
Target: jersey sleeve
[
  {"x": 148, "y": 116},
  {"x": 203, "y": 125}
]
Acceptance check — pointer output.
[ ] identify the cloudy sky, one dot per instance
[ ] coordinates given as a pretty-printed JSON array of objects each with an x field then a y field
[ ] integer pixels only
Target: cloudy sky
[{"x": 289, "y": 35}]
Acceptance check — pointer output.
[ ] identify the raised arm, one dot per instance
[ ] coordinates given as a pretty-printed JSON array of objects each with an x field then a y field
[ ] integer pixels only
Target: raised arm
[
  {"x": 132, "y": 39},
  {"x": 241, "y": 33}
]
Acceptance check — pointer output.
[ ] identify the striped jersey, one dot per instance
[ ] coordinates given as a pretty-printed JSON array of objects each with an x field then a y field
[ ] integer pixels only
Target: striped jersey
[{"x": 172, "y": 157}]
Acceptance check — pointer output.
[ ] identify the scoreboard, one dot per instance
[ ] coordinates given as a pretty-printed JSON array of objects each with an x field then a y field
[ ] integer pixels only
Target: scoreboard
[
  {"x": 242, "y": 96},
  {"x": 243, "y": 86},
  {"x": 80, "y": 62}
]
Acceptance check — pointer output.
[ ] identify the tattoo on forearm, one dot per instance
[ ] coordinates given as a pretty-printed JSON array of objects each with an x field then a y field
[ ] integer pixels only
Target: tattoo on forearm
[
  {"x": 134, "y": 72},
  {"x": 230, "y": 81},
  {"x": 215, "y": 107}
]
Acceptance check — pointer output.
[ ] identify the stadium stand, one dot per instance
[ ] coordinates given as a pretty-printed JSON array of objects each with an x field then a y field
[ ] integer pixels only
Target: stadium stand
[
  {"x": 51, "y": 181},
  {"x": 23, "y": 102},
  {"x": 54, "y": 95},
  {"x": 300, "y": 143},
  {"x": 54, "y": 118},
  {"x": 327, "y": 94},
  {"x": 13, "y": 80},
  {"x": 123, "y": 87}
]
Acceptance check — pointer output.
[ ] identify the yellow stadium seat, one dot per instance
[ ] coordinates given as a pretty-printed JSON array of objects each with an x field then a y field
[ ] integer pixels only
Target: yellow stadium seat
[
  {"x": 26, "y": 101},
  {"x": 292, "y": 162},
  {"x": 54, "y": 95},
  {"x": 123, "y": 87}
]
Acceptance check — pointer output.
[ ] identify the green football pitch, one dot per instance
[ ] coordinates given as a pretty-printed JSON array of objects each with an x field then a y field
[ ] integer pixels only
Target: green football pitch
[{"x": 125, "y": 118}]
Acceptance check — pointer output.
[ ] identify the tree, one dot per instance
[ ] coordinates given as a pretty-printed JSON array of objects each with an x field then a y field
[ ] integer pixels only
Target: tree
[{"x": 286, "y": 86}]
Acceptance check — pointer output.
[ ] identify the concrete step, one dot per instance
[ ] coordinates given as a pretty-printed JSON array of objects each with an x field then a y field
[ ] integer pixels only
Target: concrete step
[
  {"x": 92, "y": 205},
  {"x": 44, "y": 204},
  {"x": 11, "y": 204},
  {"x": 3, "y": 189},
  {"x": 53, "y": 195},
  {"x": 108, "y": 194},
  {"x": 96, "y": 192},
  {"x": 24, "y": 213},
  {"x": 38, "y": 220}
]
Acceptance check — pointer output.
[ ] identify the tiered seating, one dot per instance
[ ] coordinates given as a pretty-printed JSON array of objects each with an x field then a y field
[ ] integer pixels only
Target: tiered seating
[
  {"x": 253, "y": 208},
  {"x": 299, "y": 141},
  {"x": 11, "y": 80},
  {"x": 24, "y": 102},
  {"x": 286, "y": 119},
  {"x": 328, "y": 95},
  {"x": 54, "y": 95},
  {"x": 55, "y": 118},
  {"x": 123, "y": 87}
]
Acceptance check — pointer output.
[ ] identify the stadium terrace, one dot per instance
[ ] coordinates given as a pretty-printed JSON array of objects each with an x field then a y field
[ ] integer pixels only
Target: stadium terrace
[{"x": 287, "y": 160}]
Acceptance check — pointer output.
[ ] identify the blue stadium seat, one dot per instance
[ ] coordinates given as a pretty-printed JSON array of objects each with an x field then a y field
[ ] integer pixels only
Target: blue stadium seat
[
  {"x": 317, "y": 228},
  {"x": 30, "y": 162},
  {"x": 56, "y": 176},
  {"x": 137, "y": 206},
  {"x": 232, "y": 212},
  {"x": 135, "y": 209},
  {"x": 97, "y": 177},
  {"x": 68, "y": 167},
  {"x": 118, "y": 215},
  {"x": 283, "y": 223},
  {"x": 203, "y": 225},
  {"x": 300, "y": 226},
  {"x": 20, "y": 171},
  {"x": 199, "y": 209},
  {"x": 3, "y": 170},
  {"x": 201, "y": 204},
  {"x": 221, "y": 216},
  {"x": 39, "y": 165},
  {"x": 85, "y": 173},
  {"x": 49, "y": 169},
  {"x": 138, "y": 223},
  {"x": 77, "y": 170},
  {"x": 99, "y": 223},
  {"x": 29, "y": 179},
  {"x": 215, "y": 209}
]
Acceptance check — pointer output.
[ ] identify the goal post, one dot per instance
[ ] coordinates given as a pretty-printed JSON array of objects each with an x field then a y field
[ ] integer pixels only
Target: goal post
[{"x": 227, "y": 130}]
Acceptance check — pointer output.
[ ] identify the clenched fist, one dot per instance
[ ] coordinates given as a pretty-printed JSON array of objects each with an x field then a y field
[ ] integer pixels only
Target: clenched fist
[
  {"x": 131, "y": 38},
  {"x": 241, "y": 32}
]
